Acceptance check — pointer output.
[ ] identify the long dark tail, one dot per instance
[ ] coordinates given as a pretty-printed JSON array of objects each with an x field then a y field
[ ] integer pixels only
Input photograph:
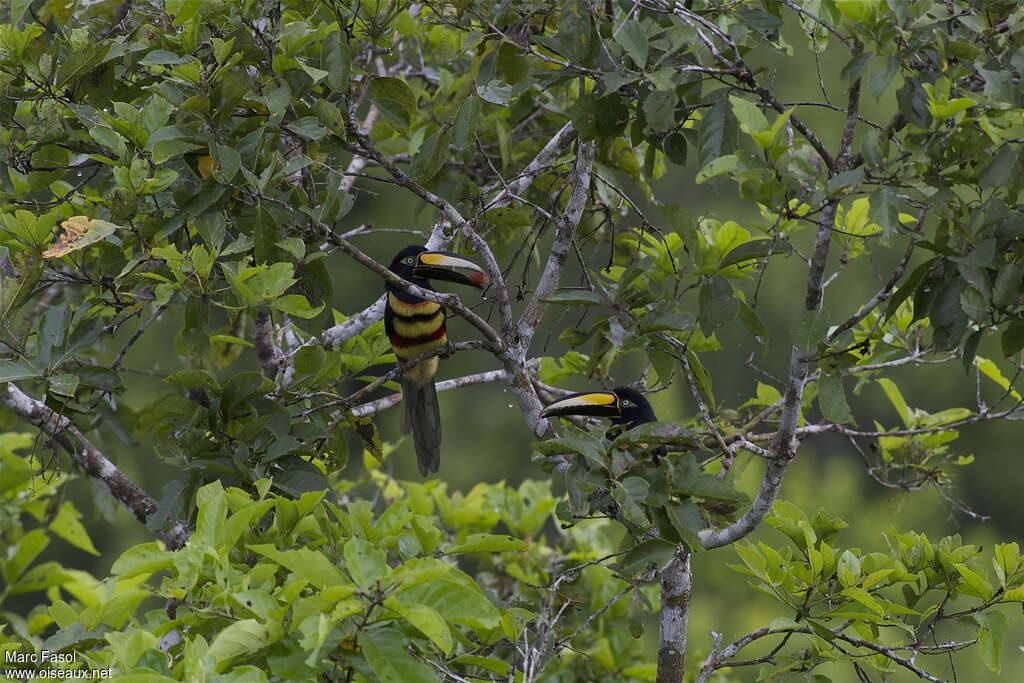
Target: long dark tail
[{"x": 423, "y": 418}]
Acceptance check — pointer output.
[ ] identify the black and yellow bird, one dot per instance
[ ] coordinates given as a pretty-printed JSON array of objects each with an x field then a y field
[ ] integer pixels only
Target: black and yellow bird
[
  {"x": 416, "y": 326},
  {"x": 626, "y": 407}
]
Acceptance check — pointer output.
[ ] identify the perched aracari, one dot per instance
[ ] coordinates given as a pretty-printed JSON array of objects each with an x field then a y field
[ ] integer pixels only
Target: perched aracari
[
  {"x": 626, "y": 407},
  {"x": 623, "y": 405},
  {"x": 416, "y": 326}
]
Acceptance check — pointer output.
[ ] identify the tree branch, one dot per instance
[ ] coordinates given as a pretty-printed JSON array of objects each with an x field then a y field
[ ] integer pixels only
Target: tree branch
[
  {"x": 267, "y": 351},
  {"x": 444, "y": 385},
  {"x": 90, "y": 459},
  {"x": 551, "y": 275},
  {"x": 676, "y": 587}
]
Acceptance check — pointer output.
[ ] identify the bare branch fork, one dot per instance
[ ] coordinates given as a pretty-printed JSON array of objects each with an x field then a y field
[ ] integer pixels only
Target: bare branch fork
[{"x": 440, "y": 237}]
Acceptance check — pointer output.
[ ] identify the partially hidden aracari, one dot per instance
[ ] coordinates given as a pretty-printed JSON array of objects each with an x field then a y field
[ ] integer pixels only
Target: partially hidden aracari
[
  {"x": 626, "y": 407},
  {"x": 416, "y": 326}
]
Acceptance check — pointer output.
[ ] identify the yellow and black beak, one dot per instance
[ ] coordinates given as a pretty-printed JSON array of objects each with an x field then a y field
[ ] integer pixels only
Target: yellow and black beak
[
  {"x": 444, "y": 265},
  {"x": 593, "y": 403}
]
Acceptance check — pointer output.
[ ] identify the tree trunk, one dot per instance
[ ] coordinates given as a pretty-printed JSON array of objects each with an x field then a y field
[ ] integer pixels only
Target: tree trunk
[{"x": 676, "y": 586}]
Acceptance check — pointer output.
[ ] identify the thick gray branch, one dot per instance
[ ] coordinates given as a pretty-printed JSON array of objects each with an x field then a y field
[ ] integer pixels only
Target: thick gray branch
[
  {"x": 267, "y": 351},
  {"x": 676, "y": 588}
]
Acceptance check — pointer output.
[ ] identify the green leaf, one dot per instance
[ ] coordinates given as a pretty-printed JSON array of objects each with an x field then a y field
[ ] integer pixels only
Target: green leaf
[
  {"x": 1007, "y": 285},
  {"x": 431, "y": 155},
  {"x": 486, "y": 543},
  {"x": 687, "y": 479},
  {"x": 386, "y": 653},
  {"x": 23, "y": 554},
  {"x": 653, "y": 551},
  {"x": 898, "y": 402},
  {"x": 575, "y": 36},
  {"x": 756, "y": 249},
  {"x": 718, "y": 304},
  {"x": 832, "y": 400},
  {"x": 310, "y": 565},
  {"x": 978, "y": 584},
  {"x": 496, "y": 92},
  {"x": 991, "y": 370},
  {"x": 576, "y": 297},
  {"x": 700, "y": 376},
  {"x": 993, "y": 626},
  {"x": 457, "y": 598},
  {"x": 296, "y": 305},
  {"x": 67, "y": 525},
  {"x": 854, "y": 69},
  {"x": 464, "y": 129},
  {"x": 630, "y": 494},
  {"x": 395, "y": 100},
  {"x": 163, "y": 57},
  {"x": 718, "y": 132},
  {"x": 631, "y": 35},
  {"x": 997, "y": 172},
  {"x": 885, "y": 212},
  {"x": 687, "y": 522},
  {"x": 12, "y": 371},
  {"x": 660, "y": 110},
  {"x": 426, "y": 620},
  {"x": 308, "y": 127},
  {"x": 145, "y": 558},
  {"x": 337, "y": 60},
  {"x": 240, "y": 639},
  {"x": 865, "y": 598},
  {"x": 751, "y": 119},
  {"x": 717, "y": 167},
  {"x": 675, "y": 148},
  {"x": 365, "y": 563},
  {"x": 1012, "y": 339}
]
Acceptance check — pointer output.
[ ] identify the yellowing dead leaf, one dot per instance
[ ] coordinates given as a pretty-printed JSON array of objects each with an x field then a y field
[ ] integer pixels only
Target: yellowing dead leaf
[{"x": 79, "y": 232}]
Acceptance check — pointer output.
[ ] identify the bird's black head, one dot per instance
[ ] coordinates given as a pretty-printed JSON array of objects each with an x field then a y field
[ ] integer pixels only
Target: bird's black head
[
  {"x": 634, "y": 408},
  {"x": 418, "y": 265},
  {"x": 623, "y": 405},
  {"x": 404, "y": 264}
]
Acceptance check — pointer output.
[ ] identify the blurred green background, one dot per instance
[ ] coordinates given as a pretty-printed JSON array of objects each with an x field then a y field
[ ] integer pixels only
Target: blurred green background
[{"x": 485, "y": 438}]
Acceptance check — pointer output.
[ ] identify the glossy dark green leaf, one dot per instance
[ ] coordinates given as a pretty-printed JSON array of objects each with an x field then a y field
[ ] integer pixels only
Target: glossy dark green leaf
[
  {"x": 756, "y": 249},
  {"x": 395, "y": 100},
  {"x": 13, "y": 371},
  {"x": 717, "y": 304},
  {"x": 908, "y": 287},
  {"x": 632, "y": 37},
  {"x": 431, "y": 155},
  {"x": 675, "y": 148},
  {"x": 660, "y": 110},
  {"x": 575, "y": 36},
  {"x": 1012, "y": 339},
  {"x": 337, "y": 61},
  {"x": 1007, "y": 285},
  {"x": 652, "y": 552},
  {"x": 464, "y": 130},
  {"x": 997, "y": 172}
]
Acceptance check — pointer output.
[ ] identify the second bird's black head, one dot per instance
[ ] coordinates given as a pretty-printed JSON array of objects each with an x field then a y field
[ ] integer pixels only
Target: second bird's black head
[
  {"x": 418, "y": 265},
  {"x": 625, "y": 406}
]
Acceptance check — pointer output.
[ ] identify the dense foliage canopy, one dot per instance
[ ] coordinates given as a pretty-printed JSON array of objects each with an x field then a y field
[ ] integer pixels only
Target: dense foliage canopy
[{"x": 189, "y": 262}]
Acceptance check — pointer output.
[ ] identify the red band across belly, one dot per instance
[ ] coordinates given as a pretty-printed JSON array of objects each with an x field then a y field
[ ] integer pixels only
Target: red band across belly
[{"x": 400, "y": 342}]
